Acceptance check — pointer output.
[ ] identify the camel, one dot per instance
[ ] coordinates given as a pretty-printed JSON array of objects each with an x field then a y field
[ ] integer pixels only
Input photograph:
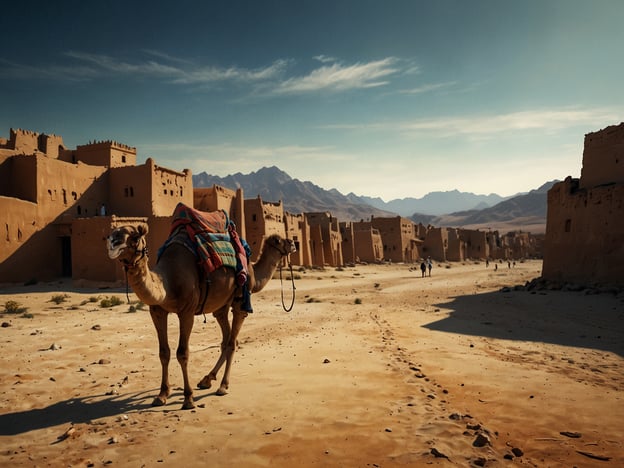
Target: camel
[{"x": 176, "y": 285}]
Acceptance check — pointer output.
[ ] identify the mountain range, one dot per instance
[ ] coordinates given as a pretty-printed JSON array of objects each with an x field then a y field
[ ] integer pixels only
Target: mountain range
[{"x": 526, "y": 211}]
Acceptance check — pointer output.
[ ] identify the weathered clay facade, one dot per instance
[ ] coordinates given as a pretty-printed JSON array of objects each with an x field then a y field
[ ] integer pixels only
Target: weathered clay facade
[
  {"x": 361, "y": 242},
  {"x": 298, "y": 230},
  {"x": 56, "y": 202},
  {"x": 325, "y": 239},
  {"x": 400, "y": 243},
  {"x": 584, "y": 240}
]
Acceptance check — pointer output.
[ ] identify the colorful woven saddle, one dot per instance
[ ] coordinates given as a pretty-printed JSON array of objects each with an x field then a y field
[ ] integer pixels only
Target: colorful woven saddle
[{"x": 212, "y": 238}]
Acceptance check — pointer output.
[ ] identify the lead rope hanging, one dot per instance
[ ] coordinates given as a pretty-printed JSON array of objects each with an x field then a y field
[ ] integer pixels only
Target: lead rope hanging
[{"x": 292, "y": 278}]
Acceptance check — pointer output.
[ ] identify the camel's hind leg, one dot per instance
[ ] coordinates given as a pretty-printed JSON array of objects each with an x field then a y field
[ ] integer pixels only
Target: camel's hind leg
[
  {"x": 222, "y": 319},
  {"x": 228, "y": 347},
  {"x": 159, "y": 317},
  {"x": 237, "y": 323}
]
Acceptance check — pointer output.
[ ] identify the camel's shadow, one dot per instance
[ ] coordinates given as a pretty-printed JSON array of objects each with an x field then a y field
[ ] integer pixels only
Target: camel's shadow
[
  {"x": 73, "y": 410},
  {"x": 83, "y": 410}
]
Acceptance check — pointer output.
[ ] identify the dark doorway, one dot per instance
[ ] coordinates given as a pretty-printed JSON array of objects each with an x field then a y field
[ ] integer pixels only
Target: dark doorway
[{"x": 66, "y": 257}]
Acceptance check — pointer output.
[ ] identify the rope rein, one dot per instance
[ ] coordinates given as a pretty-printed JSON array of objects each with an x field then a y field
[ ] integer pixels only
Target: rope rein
[{"x": 292, "y": 278}]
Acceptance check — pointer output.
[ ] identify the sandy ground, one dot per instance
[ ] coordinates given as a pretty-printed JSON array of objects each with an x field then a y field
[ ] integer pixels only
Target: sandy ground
[{"x": 375, "y": 366}]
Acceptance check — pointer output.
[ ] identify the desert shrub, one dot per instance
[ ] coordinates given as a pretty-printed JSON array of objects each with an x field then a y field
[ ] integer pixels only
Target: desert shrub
[
  {"x": 93, "y": 299},
  {"x": 58, "y": 298},
  {"x": 14, "y": 307},
  {"x": 357, "y": 300},
  {"x": 111, "y": 301}
]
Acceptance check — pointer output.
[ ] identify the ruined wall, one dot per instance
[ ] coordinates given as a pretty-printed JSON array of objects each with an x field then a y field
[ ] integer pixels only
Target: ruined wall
[
  {"x": 584, "y": 232},
  {"x": 603, "y": 157},
  {"x": 585, "y": 221}
]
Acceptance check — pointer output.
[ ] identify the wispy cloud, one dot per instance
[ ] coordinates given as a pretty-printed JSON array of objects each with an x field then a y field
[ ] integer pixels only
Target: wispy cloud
[
  {"x": 546, "y": 120},
  {"x": 331, "y": 75},
  {"x": 428, "y": 87},
  {"x": 324, "y": 58},
  {"x": 339, "y": 77},
  {"x": 541, "y": 119}
]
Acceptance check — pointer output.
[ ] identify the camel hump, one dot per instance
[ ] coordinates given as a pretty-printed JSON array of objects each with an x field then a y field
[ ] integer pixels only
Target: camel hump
[{"x": 216, "y": 222}]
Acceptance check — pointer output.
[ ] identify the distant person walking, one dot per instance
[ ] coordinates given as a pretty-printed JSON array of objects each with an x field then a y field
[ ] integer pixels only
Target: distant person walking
[
  {"x": 423, "y": 268},
  {"x": 429, "y": 265}
]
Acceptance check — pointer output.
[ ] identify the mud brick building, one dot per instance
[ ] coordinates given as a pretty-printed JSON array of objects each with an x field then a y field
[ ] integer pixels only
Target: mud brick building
[{"x": 584, "y": 240}]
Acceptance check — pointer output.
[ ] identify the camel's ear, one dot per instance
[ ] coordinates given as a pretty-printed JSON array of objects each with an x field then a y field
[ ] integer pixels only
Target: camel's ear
[{"x": 142, "y": 229}]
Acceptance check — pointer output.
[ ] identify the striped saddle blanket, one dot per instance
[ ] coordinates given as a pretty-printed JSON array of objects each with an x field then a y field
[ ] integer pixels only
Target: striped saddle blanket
[{"x": 212, "y": 238}]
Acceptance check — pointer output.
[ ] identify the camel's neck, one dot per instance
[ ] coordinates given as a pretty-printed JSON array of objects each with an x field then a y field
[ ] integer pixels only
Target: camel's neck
[
  {"x": 146, "y": 284},
  {"x": 265, "y": 267}
]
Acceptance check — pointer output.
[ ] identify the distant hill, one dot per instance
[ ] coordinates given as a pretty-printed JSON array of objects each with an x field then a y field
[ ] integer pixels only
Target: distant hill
[
  {"x": 437, "y": 203},
  {"x": 273, "y": 184},
  {"x": 525, "y": 211}
]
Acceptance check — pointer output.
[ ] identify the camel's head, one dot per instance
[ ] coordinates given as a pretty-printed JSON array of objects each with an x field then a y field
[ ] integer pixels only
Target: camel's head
[
  {"x": 284, "y": 246},
  {"x": 127, "y": 243}
]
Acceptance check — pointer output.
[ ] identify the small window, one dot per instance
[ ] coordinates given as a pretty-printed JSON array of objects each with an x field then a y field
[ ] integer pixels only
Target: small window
[
  {"x": 568, "y": 225},
  {"x": 123, "y": 158}
]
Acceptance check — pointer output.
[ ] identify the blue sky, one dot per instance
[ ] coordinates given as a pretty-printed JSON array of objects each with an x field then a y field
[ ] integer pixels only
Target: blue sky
[{"x": 387, "y": 98}]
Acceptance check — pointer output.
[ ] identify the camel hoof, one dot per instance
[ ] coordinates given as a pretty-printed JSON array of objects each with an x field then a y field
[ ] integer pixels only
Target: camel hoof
[
  {"x": 222, "y": 391},
  {"x": 205, "y": 383},
  {"x": 158, "y": 401},
  {"x": 188, "y": 405}
]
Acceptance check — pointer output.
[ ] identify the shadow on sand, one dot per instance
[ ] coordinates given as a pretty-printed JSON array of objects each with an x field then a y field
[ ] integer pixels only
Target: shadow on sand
[
  {"x": 562, "y": 318},
  {"x": 84, "y": 410},
  {"x": 74, "y": 410}
]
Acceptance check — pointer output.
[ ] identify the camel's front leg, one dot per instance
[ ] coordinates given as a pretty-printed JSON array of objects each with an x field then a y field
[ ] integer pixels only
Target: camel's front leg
[
  {"x": 186, "y": 326},
  {"x": 159, "y": 317},
  {"x": 230, "y": 348},
  {"x": 222, "y": 319}
]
